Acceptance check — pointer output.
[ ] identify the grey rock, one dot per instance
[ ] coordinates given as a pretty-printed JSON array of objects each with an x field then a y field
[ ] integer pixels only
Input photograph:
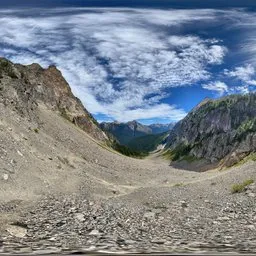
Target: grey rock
[
  {"x": 215, "y": 130},
  {"x": 79, "y": 217},
  {"x": 5, "y": 176},
  {"x": 95, "y": 232},
  {"x": 17, "y": 231},
  {"x": 158, "y": 241},
  {"x": 183, "y": 204},
  {"x": 149, "y": 215}
]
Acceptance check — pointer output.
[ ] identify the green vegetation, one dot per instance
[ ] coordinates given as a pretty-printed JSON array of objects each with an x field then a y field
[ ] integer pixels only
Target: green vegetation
[
  {"x": 189, "y": 158},
  {"x": 238, "y": 188},
  {"x": 245, "y": 128},
  {"x": 224, "y": 103},
  {"x": 127, "y": 151},
  {"x": 36, "y": 130},
  {"x": 167, "y": 154},
  {"x": 6, "y": 67},
  {"x": 251, "y": 157},
  {"x": 64, "y": 114},
  {"x": 178, "y": 185},
  {"x": 147, "y": 143},
  {"x": 181, "y": 152}
]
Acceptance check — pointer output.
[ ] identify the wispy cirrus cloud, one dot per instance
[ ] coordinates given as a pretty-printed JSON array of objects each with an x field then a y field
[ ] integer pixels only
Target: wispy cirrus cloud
[
  {"x": 120, "y": 62},
  {"x": 220, "y": 87},
  {"x": 246, "y": 74}
]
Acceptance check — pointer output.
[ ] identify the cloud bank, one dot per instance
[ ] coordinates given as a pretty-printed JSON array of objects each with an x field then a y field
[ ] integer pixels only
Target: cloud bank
[{"x": 122, "y": 63}]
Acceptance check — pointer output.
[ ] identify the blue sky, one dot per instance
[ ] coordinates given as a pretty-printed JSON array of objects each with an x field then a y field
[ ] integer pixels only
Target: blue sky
[{"x": 152, "y": 61}]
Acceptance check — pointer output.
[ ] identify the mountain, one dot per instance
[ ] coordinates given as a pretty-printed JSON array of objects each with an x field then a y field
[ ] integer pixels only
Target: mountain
[
  {"x": 24, "y": 88},
  {"x": 126, "y": 132},
  {"x": 217, "y": 132},
  {"x": 64, "y": 191},
  {"x": 148, "y": 142},
  {"x": 160, "y": 128}
]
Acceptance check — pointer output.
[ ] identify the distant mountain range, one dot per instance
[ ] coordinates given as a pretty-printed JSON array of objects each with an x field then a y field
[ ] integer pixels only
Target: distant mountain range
[{"x": 127, "y": 132}]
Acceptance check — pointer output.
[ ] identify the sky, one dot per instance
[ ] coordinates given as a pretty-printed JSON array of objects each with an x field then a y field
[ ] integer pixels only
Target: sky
[{"x": 151, "y": 61}]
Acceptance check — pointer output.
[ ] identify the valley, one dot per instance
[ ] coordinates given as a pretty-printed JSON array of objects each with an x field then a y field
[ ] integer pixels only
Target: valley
[{"x": 64, "y": 189}]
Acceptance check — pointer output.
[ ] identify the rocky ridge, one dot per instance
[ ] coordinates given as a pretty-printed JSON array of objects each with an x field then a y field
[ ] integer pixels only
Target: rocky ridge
[
  {"x": 61, "y": 191},
  {"x": 126, "y": 132},
  {"x": 221, "y": 131},
  {"x": 25, "y": 87}
]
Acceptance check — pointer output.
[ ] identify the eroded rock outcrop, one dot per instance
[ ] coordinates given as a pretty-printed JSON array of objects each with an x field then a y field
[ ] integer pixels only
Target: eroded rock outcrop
[
  {"x": 27, "y": 87},
  {"x": 220, "y": 131}
]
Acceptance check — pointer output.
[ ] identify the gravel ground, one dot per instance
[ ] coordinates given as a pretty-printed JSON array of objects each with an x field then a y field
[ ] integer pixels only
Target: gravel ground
[
  {"x": 63, "y": 192},
  {"x": 66, "y": 223}
]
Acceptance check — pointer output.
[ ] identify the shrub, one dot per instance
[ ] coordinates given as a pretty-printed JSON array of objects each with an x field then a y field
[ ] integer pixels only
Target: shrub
[
  {"x": 36, "y": 130},
  {"x": 127, "y": 151},
  {"x": 238, "y": 188},
  {"x": 178, "y": 185}
]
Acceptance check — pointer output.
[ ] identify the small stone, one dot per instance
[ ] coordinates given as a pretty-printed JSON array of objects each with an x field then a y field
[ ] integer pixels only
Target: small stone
[
  {"x": 13, "y": 161},
  {"x": 251, "y": 227},
  {"x": 52, "y": 239},
  {"x": 157, "y": 211},
  {"x": 251, "y": 194},
  {"x": 149, "y": 215},
  {"x": 5, "y": 177},
  {"x": 225, "y": 218},
  {"x": 130, "y": 242},
  {"x": 25, "y": 250},
  {"x": 79, "y": 217},
  {"x": 94, "y": 232},
  {"x": 183, "y": 204},
  {"x": 19, "y": 153},
  {"x": 158, "y": 241}
]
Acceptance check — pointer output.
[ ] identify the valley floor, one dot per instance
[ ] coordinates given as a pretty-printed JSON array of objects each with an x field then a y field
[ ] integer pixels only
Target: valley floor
[{"x": 62, "y": 191}]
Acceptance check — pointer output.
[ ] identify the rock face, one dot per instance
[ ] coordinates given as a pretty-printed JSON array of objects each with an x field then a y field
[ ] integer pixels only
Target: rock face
[
  {"x": 160, "y": 128},
  {"x": 219, "y": 131},
  {"x": 126, "y": 132},
  {"x": 27, "y": 87}
]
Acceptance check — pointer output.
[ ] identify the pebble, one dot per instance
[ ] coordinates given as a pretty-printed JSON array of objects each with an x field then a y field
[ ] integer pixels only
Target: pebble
[
  {"x": 95, "y": 232},
  {"x": 79, "y": 217},
  {"x": 183, "y": 204},
  {"x": 149, "y": 215},
  {"x": 75, "y": 223},
  {"x": 5, "y": 176}
]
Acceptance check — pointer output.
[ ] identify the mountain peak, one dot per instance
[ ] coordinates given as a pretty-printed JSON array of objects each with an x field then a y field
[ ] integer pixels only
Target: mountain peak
[
  {"x": 28, "y": 87},
  {"x": 216, "y": 129}
]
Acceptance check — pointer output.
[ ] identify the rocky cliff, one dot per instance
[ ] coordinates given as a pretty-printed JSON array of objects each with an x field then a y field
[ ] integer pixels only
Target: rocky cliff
[
  {"x": 219, "y": 131},
  {"x": 25, "y": 88}
]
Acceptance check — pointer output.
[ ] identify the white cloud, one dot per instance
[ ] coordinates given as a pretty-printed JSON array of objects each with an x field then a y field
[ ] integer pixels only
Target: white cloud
[
  {"x": 218, "y": 86},
  {"x": 245, "y": 74},
  {"x": 119, "y": 62},
  {"x": 239, "y": 89}
]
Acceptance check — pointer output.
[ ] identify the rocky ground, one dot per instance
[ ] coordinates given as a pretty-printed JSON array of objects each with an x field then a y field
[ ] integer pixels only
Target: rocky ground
[
  {"x": 68, "y": 223},
  {"x": 61, "y": 191}
]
